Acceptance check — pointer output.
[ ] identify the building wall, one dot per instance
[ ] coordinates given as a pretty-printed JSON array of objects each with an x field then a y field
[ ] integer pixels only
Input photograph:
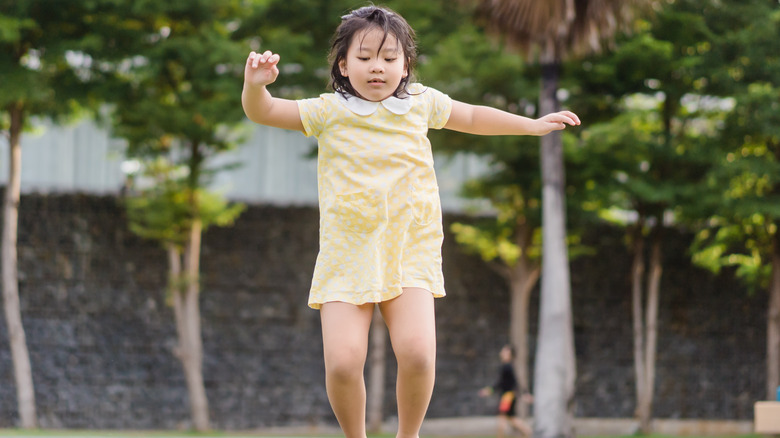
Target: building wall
[
  {"x": 274, "y": 166},
  {"x": 101, "y": 336}
]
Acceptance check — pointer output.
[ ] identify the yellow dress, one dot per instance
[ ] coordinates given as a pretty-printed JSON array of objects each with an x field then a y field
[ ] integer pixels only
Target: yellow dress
[{"x": 380, "y": 214}]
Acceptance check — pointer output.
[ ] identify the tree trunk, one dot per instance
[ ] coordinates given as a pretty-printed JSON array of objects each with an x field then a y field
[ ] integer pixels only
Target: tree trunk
[
  {"x": 651, "y": 328},
  {"x": 645, "y": 322},
  {"x": 187, "y": 312},
  {"x": 773, "y": 324},
  {"x": 25, "y": 392},
  {"x": 376, "y": 383},
  {"x": 521, "y": 295},
  {"x": 637, "y": 275},
  {"x": 555, "y": 360},
  {"x": 522, "y": 279}
]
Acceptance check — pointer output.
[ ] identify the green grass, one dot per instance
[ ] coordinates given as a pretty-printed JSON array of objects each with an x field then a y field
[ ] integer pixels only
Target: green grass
[
  {"x": 113, "y": 434},
  {"x": 174, "y": 434},
  {"x": 678, "y": 436},
  {"x": 49, "y": 433}
]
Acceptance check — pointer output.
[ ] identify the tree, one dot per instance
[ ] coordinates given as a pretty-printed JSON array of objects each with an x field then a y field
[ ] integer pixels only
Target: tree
[
  {"x": 510, "y": 245},
  {"x": 656, "y": 146},
  {"x": 38, "y": 81},
  {"x": 744, "y": 60},
  {"x": 553, "y": 31},
  {"x": 744, "y": 192},
  {"x": 172, "y": 75},
  {"x": 652, "y": 182},
  {"x": 164, "y": 212},
  {"x": 509, "y": 241}
]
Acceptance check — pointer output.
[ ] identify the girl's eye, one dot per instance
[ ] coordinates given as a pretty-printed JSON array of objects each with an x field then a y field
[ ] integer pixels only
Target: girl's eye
[
  {"x": 362, "y": 59},
  {"x": 390, "y": 59}
]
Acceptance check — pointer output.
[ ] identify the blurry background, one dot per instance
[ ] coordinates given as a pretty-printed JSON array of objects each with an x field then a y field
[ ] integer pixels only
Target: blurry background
[{"x": 124, "y": 134}]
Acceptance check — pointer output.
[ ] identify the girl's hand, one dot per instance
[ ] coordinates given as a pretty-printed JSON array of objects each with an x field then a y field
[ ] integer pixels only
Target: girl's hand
[
  {"x": 556, "y": 121},
  {"x": 260, "y": 69}
]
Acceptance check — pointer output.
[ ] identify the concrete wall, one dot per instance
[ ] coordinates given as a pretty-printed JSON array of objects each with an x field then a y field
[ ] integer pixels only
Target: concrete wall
[{"x": 101, "y": 335}]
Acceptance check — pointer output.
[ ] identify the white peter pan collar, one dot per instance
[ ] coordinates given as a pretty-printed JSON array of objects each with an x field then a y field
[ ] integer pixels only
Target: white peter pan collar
[{"x": 364, "y": 107}]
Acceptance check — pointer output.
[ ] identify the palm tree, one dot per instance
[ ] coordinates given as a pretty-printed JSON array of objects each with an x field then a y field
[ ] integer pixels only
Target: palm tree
[{"x": 552, "y": 31}]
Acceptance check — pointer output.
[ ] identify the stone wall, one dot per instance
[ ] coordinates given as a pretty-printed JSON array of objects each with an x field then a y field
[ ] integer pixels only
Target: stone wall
[{"x": 101, "y": 336}]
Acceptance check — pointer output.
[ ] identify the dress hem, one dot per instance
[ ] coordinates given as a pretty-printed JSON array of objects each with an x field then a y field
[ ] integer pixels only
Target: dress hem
[{"x": 318, "y": 298}]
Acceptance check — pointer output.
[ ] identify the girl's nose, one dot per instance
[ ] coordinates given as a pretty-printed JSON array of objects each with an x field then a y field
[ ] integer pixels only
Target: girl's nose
[{"x": 377, "y": 68}]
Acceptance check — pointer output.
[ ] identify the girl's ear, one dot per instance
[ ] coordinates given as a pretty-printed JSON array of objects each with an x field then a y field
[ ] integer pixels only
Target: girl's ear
[
  {"x": 343, "y": 67},
  {"x": 406, "y": 69}
]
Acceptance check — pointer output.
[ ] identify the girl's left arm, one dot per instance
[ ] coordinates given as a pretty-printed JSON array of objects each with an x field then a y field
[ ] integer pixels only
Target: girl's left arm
[{"x": 484, "y": 120}]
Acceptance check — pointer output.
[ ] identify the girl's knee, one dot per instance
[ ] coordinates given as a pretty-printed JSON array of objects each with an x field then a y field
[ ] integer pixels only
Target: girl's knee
[
  {"x": 345, "y": 366},
  {"x": 417, "y": 357}
]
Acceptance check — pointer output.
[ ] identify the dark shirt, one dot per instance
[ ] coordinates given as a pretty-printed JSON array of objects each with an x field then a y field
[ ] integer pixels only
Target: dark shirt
[{"x": 506, "y": 380}]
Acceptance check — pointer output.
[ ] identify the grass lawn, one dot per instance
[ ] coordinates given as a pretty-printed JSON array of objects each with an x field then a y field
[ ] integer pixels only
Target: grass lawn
[
  {"x": 39, "y": 433},
  {"x": 174, "y": 434}
]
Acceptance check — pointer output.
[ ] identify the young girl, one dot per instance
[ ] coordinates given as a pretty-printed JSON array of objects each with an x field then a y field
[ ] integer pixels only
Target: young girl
[{"x": 380, "y": 216}]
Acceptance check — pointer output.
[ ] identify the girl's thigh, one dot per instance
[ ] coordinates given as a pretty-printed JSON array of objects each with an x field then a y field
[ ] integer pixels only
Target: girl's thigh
[
  {"x": 411, "y": 321},
  {"x": 345, "y": 330}
]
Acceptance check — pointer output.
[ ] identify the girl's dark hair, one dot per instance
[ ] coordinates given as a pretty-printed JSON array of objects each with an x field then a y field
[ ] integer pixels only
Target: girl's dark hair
[{"x": 366, "y": 18}]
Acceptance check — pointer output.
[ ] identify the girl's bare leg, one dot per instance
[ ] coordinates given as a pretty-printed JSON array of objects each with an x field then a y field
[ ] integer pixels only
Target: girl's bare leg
[
  {"x": 502, "y": 421},
  {"x": 410, "y": 322},
  {"x": 521, "y": 426},
  {"x": 345, "y": 343}
]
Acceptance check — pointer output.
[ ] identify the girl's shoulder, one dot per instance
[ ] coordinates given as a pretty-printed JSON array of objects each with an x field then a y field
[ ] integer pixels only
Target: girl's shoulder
[
  {"x": 425, "y": 92},
  {"x": 418, "y": 89}
]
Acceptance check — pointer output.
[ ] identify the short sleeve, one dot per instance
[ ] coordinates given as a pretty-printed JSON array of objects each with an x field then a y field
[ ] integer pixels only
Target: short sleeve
[
  {"x": 312, "y": 112},
  {"x": 440, "y": 106}
]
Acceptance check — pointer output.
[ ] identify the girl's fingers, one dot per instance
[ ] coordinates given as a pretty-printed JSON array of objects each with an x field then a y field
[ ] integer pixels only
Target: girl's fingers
[
  {"x": 559, "y": 120},
  {"x": 256, "y": 61},
  {"x": 272, "y": 59},
  {"x": 261, "y": 68},
  {"x": 267, "y": 57},
  {"x": 566, "y": 117},
  {"x": 571, "y": 116},
  {"x": 250, "y": 59},
  {"x": 264, "y": 57}
]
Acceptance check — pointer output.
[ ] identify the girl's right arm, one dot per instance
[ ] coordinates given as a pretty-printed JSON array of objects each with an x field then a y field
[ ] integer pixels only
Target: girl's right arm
[
  {"x": 483, "y": 120},
  {"x": 259, "y": 105}
]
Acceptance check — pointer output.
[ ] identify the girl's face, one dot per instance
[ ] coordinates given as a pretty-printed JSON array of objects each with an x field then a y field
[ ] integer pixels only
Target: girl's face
[{"x": 374, "y": 69}]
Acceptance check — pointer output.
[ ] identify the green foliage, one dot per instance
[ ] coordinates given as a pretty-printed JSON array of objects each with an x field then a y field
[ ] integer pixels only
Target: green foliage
[
  {"x": 497, "y": 238},
  {"x": 743, "y": 188},
  {"x": 35, "y": 72},
  {"x": 489, "y": 241},
  {"x": 179, "y": 77},
  {"x": 475, "y": 68},
  {"x": 654, "y": 141},
  {"x": 682, "y": 116},
  {"x": 172, "y": 74},
  {"x": 165, "y": 211},
  {"x": 743, "y": 244}
]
